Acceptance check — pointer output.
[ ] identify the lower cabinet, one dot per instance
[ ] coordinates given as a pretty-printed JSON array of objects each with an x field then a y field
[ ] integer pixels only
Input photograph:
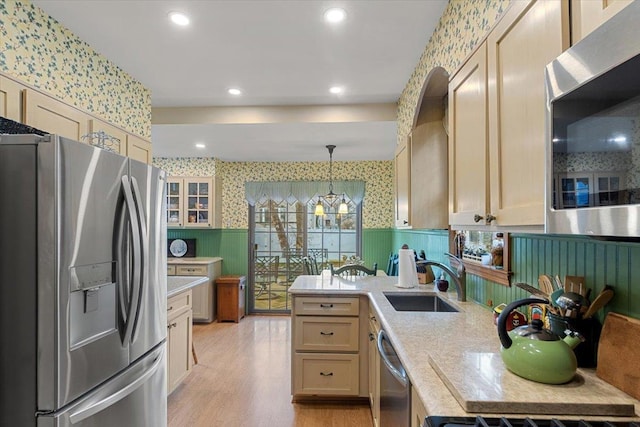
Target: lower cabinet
[
  {"x": 329, "y": 352},
  {"x": 179, "y": 339},
  {"x": 204, "y": 296},
  {"x": 418, "y": 411}
]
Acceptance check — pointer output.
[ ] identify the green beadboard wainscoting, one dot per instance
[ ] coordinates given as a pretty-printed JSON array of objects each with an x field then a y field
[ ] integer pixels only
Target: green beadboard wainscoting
[
  {"x": 229, "y": 244},
  {"x": 600, "y": 262}
]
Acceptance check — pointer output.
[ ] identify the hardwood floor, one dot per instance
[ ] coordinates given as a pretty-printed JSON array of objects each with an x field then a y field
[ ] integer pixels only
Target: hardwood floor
[{"x": 243, "y": 380}]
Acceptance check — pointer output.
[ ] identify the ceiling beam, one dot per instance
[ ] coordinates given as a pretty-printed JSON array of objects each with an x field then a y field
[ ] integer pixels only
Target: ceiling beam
[{"x": 275, "y": 114}]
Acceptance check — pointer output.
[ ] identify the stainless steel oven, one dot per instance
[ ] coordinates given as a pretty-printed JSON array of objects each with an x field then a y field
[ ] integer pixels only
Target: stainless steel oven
[{"x": 593, "y": 110}]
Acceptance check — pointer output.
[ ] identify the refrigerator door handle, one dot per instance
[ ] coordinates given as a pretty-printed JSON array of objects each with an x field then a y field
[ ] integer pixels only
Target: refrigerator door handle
[
  {"x": 143, "y": 265},
  {"x": 95, "y": 407},
  {"x": 121, "y": 276},
  {"x": 135, "y": 242}
]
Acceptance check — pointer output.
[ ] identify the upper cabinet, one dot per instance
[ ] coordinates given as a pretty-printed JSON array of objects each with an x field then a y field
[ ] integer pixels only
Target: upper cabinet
[
  {"x": 11, "y": 99},
  {"x": 50, "y": 115},
  {"x": 468, "y": 139},
  {"x": 402, "y": 181},
  {"x": 505, "y": 189},
  {"x": 193, "y": 202},
  {"x": 138, "y": 149},
  {"x": 587, "y": 15}
]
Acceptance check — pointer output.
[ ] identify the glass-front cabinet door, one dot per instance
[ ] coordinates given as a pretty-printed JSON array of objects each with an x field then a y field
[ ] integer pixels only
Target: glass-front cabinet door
[{"x": 191, "y": 202}]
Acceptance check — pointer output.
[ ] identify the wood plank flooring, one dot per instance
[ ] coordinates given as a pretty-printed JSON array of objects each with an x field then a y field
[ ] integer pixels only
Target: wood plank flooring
[{"x": 243, "y": 380}]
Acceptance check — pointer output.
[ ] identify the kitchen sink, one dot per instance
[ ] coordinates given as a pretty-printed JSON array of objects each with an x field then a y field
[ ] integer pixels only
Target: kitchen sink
[{"x": 409, "y": 302}]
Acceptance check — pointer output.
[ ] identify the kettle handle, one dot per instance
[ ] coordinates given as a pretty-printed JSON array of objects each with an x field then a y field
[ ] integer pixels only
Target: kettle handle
[{"x": 505, "y": 339}]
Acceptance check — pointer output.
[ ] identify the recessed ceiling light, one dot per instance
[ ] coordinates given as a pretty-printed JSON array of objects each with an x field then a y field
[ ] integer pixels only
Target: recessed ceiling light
[
  {"x": 336, "y": 90},
  {"x": 200, "y": 145},
  {"x": 234, "y": 91},
  {"x": 179, "y": 18},
  {"x": 335, "y": 15}
]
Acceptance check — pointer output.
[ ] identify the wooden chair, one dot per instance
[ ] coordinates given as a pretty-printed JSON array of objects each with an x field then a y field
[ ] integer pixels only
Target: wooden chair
[
  {"x": 266, "y": 274},
  {"x": 354, "y": 270}
]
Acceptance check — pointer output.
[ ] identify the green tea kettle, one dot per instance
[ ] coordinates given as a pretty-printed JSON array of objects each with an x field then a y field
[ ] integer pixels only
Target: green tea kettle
[{"x": 535, "y": 353}]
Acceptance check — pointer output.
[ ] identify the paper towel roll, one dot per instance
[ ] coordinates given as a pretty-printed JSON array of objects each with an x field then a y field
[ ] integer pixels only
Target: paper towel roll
[{"x": 407, "y": 273}]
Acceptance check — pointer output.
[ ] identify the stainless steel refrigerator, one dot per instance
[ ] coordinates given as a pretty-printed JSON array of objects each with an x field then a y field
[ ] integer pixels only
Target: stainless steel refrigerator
[{"x": 82, "y": 286}]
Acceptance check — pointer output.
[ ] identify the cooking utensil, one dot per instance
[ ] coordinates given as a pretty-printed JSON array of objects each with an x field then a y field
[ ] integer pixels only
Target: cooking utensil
[
  {"x": 535, "y": 353},
  {"x": 574, "y": 284},
  {"x": 557, "y": 283},
  {"x": 572, "y": 301},
  {"x": 554, "y": 296},
  {"x": 533, "y": 291},
  {"x": 600, "y": 301},
  {"x": 545, "y": 283}
]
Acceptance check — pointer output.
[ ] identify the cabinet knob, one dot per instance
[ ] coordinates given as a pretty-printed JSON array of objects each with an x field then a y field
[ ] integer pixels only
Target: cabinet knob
[
  {"x": 490, "y": 218},
  {"x": 371, "y": 336},
  {"x": 477, "y": 218},
  {"x": 405, "y": 222}
]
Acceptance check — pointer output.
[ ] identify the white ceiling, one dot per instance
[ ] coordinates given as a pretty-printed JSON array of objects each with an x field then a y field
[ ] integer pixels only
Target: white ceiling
[{"x": 280, "y": 53}]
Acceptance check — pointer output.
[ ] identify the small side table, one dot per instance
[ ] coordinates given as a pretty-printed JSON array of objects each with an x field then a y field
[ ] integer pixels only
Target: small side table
[{"x": 231, "y": 297}]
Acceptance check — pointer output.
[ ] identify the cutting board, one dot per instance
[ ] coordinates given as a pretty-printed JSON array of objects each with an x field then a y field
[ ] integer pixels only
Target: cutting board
[
  {"x": 481, "y": 383},
  {"x": 619, "y": 353}
]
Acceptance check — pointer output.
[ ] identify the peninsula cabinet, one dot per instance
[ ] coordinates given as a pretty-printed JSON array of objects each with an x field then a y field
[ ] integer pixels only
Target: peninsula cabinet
[
  {"x": 418, "y": 411},
  {"x": 374, "y": 366},
  {"x": 587, "y": 15},
  {"x": 504, "y": 186},
  {"x": 402, "y": 184},
  {"x": 193, "y": 202},
  {"x": 179, "y": 339},
  {"x": 204, "y": 296},
  {"x": 329, "y": 354}
]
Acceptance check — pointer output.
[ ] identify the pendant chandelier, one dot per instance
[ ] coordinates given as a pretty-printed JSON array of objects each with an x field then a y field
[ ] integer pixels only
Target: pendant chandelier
[{"x": 330, "y": 198}]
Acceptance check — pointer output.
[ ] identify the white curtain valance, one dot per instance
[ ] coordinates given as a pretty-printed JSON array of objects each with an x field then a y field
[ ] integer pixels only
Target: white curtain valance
[{"x": 301, "y": 191}]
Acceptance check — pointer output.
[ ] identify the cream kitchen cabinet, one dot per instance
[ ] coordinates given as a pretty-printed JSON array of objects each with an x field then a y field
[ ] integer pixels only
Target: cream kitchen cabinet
[
  {"x": 204, "y": 296},
  {"x": 193, "y": 202},
  {"x": 468, "y": 141},
  {"x": 11, "y": 99},
  {"x": 179, "y": 339},
  {"x": 50, "y": 115},
  {"x": 329, "y": 354},
  {"x": 138, "y": 149},
  {"x": 500, "y": 182},
  {"x": 402, "y": 184},
  {"x": 587, "y": 15},
  {"x": 418, "y": 411},
  {"x": 374, "y": 366}
]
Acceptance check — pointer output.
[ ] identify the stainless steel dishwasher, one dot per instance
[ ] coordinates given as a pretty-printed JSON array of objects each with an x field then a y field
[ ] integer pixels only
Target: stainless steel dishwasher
[{"x": 395, "y": 393}]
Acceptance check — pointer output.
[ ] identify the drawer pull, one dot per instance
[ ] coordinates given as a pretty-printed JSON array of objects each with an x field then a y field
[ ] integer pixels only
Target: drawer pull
[
  {"x": 371, "y": 336},
  {"x": 326, "y": 333},
  {"x": 330, "y": 374},
  {"x": 172, "y": 325},
  {"x": 326, "y": 305}
]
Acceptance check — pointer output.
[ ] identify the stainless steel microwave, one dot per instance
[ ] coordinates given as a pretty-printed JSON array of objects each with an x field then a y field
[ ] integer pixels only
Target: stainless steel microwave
[{"x": 593, "y": 132}]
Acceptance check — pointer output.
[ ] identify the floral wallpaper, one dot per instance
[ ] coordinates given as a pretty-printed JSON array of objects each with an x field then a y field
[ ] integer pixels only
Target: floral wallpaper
[
  {"x": 377, "y": 210},
  {"x": 38, "y": 50},
  {"x": 463, "y": 24}
]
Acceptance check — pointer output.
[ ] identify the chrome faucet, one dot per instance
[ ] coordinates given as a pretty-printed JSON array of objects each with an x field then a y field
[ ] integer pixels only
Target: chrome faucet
[{"x": 459, "y": 276}]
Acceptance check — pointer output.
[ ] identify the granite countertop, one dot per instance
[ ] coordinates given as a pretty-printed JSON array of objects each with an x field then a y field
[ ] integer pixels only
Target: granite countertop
[
  {"x": 442, "y": 351},
  {"x": 177, "y": 284},
  {"x": 192, "y": 260}
]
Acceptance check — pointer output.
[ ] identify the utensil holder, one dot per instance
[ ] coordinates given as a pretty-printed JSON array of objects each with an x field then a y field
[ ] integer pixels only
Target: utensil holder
[{"x": 586, "y": 352}]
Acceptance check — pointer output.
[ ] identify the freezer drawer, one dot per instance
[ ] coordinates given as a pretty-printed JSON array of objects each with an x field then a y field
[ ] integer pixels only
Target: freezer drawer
[{"x": 135, "y": 397}]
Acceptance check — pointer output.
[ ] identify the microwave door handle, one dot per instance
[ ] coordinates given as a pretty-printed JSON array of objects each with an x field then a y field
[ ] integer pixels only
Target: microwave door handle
[
  {"x": 143, "y": 265},
  {"x": 135, "y": 243}
]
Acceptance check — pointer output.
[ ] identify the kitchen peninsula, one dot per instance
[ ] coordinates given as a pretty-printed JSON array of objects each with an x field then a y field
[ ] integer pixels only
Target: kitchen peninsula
[{"x": 449, "y": 356}]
